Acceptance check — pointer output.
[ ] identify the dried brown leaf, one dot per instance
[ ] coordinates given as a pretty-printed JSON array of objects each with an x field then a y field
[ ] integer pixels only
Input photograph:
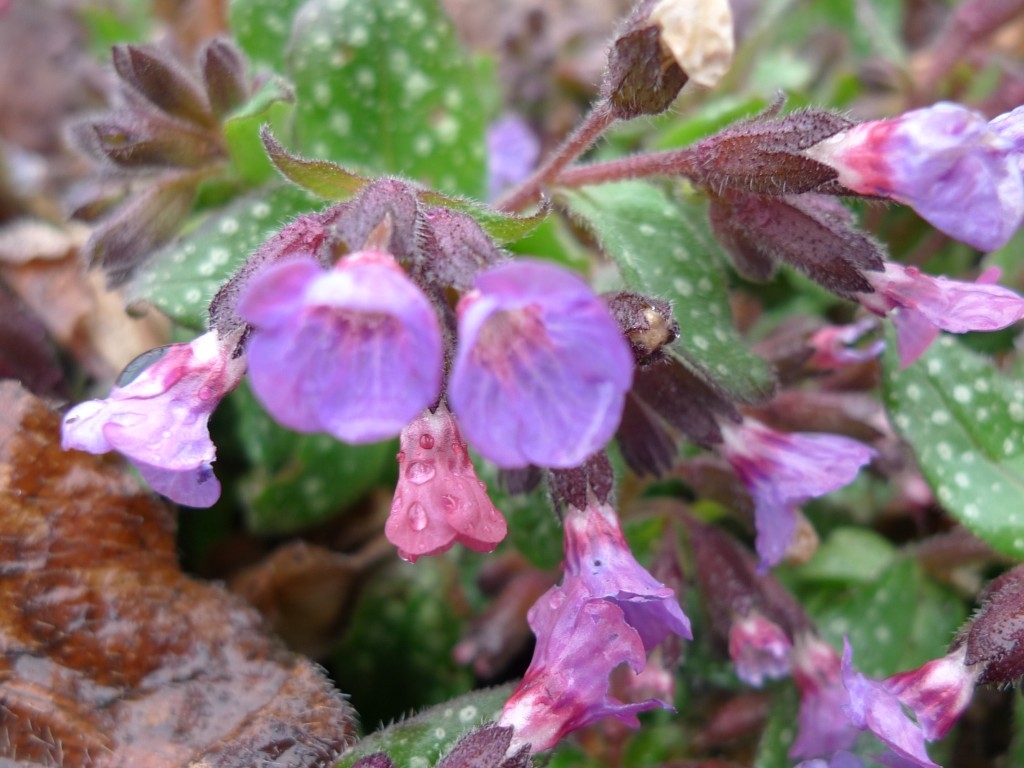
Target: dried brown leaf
[{"x": 109, "y": 654}]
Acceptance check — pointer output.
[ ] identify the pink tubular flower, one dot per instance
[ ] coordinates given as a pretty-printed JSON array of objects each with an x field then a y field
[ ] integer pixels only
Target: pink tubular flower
[
  {"x": 581, "y": 640},
  {"x": 439, "y": 499},
  {"x": 354, "y": 351},
  {"x": 542, "y": 369},
  {"x": 872, "y": 706},
  {"x": 937, "y": 692},
  {"x": 782, "y": 471},
  {"x": 157, "y": 416},
  {"x": 823, "y": 726},
  {"x": 759, "y": 648},
  {"x": 607, "y": 611},
  {"x": 958, "y": 171},
  {"x": 920, "y": 305},
  {"x": 596, "y": 554},
  {"x": 831, "y": 350}
]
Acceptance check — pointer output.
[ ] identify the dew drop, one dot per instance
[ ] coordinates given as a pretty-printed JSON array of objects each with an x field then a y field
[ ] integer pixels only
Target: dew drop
[
  {"x": 419, "y": 472},
  {"x": 426, "y": 441},
  {"x": 417, "y": 517}
]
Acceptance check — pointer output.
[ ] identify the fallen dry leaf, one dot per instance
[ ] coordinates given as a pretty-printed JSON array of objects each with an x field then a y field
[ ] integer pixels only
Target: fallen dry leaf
[{"x": 109, "y": 654}]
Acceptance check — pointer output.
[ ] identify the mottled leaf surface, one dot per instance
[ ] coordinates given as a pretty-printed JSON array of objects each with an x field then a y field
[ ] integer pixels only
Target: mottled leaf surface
[
  {"x": 262, "y": 28},
  {"x": 666, "y": 250},
  {"x": 109, "y": 654},
  {"x": 385, "y": 84},
  {"x": 965, "y": 423},
  {"x": 182, "y": 278}
]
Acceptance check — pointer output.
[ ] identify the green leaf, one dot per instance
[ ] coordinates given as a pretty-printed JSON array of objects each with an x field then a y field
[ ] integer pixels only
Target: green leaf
[
  {"x": 533, "y": 526},
  {"x": 181, "y": 278},
  {"x": 333, "y": 182},
  {"x": 849, "y": 555},
  {"x": 271, "y": 105},
  {"x": 895, "y": 623},
  {"x": 298, "y": 481},
  {"x": 421, "y": 740},
  {"x": 385, "y": 84},
  {"x": 666, "y": 250},
  {"x": 965, "y": 424},
  {"x": 262, "y": 29},
  {"x": 780, "y": 731}
]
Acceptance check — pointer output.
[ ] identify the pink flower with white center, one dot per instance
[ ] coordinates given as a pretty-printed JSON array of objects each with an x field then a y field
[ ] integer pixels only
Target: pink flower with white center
[
  {"x": 439, "y": 499},
  {"x": 541, "y": 371},
  {"x": 823, "y": 726},
  {"x": 157, "y": 416},
  {"x": 958, "y": 171},
  {"x": 782, "y": 471},
  {"x": 759, "y": 648},
  {"x": 872, "y": 706},
  {"x": 937, "y": 692},
  {"x": 354, "y": 351},
  {"x": 920, "y": 305}
]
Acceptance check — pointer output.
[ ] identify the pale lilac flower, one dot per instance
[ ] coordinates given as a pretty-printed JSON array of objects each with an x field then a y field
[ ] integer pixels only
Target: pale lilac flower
[
  {"x": 823, "y": 726},
  {"x": 596, "y": 554},
  {"x": 157, "y": 417},
  {"x": 920, "y": 305},
  {"x": 782, "y": 471},
  {"x": 439, "y": 499},
  {"x": 841, "y": 759},
  {"x": 581, "y": 640},
  {"x": 541, "y": 371},
  {"x": 832, "y": 349},
  {"x": 354, "y": 351},
  {"x": 759, "y": 648},
  {"x": 958, "y": 171},
  {"x": 937, "y": 692},
  {"x": 872, "y": 706},
  {"x": 512, "y": 152}
]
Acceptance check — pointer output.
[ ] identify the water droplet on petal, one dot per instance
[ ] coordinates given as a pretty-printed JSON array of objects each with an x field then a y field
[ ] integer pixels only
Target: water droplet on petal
[
  {"x": 417, "y": 517},
  {"x": 419, "y": 472},
  {"x": 427, "y": 441}
]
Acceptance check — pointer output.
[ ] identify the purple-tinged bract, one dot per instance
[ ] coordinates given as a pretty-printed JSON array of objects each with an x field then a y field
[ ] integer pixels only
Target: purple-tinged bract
[
  {"x": 872, "y": 706},
  {"x": 158, "y": 419},
  {"x": 542, "y": 370},
  {"x": 439, "y": 499},
  {"x": 354, "y": 351},
  {"x": 920, "y": 305},
  {"x": 958, "y": 171},
  {"x": 782, "y": 471}
]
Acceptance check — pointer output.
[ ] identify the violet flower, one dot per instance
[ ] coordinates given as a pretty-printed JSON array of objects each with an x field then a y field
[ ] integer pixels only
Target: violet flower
[
  {"x": 782, "y": 471},
  {"x": 512, "y": 152},
  {"x": 439, "y": 499},
  {"x": 541, "y": 371},
  {"x": 831, "y": 345},
  {"x": 920, "y": 305},
  {"x": 597, "y": 555},
  {"x": 157, "y": 417},
  {"x": 759, "y": 649},
  {"x": 937, "y": 692},
  {"x": 958, "y": 171},
  {"x": 841, "y": 759},
  {"x": 823, "y": 726},
  {"x": 581, "y": 640},
  {"x": 872, "y": 706},
  {"x": 354, "y": 351}
]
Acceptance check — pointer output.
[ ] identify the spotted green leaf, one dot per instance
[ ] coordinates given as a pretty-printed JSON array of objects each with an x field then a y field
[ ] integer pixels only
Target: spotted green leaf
[
  {"x": 384, "y": 84},
  {"x": 421, "y": 740},
  {"x": 666, "y": 250},
  {"x": 965, "y": 424},
  {"x": 262, "y": 28},
  {"x": 181, "y": 278},
  {"x": 298, "y": 480}
]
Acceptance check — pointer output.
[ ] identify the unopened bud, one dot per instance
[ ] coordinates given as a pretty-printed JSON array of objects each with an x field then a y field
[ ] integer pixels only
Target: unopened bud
[
  {"x": 995, "y": 637},
  {"x": 164, "y": 84},
  {"x": 699, "y": 35},
  {"x": 224, "y": 76},
  {"x": 647, "y": 323}
]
